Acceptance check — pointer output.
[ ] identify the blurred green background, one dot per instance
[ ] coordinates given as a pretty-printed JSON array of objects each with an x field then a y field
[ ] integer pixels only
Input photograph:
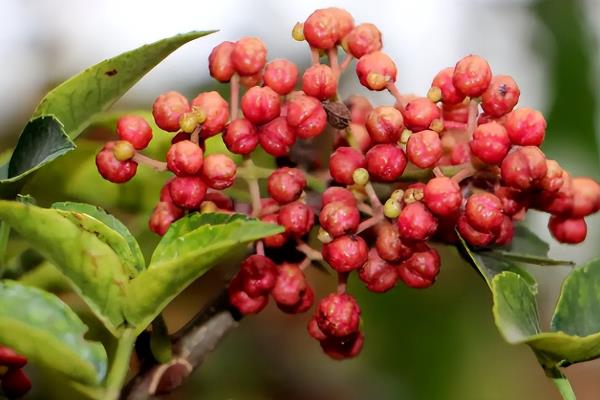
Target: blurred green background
[{"x": 439, "y": 343}]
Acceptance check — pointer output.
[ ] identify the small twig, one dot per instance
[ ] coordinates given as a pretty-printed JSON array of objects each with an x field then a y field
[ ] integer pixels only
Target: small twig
[
  {"x": 314, "y": 55},
  {"x": 467, "y": 172},
  {"x": 346, "y": 62},
  {"x": 472, "y": 118},
  {"x": 309, "y": 251},
  {"x": 234, "y": 96},
  {"x": 437, "y": 171},
  {"x": 253, "y": 188},
  {"x": 260, "y": 248},
  {"x": 305, "y": 263},
  {"x": 332, "y": 54},
  {"x": 342, "y": 282},
  {"x": 400, "y": 100},
  {"x": 365, "y": 208},
  {"x": 155, "y": 164},
  {"x": 375, "y": 202},
  {"x": 369, "y": 222},
  {"x": 195, "y": 136}
]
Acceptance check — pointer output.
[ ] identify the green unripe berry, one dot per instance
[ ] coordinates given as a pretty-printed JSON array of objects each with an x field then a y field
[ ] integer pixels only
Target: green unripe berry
[
  {"x": 298, "y": 32},
  {"x": 397, "y": 195},
  {"x": 360, "y": 176},
  {"x": 324, "y": 236},
  {"x": 123, "y": 150},
  {"x": 434, "y": 94},
  {"x": 208, "y": 207},
  {"x": 405, "y": 136},
  {"x": 188, "y": 122},
  {"x": 392, "y": 208}
]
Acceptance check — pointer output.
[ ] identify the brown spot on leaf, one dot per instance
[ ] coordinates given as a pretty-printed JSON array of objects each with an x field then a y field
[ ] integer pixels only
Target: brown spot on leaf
[{"x": 112, "y": 72}]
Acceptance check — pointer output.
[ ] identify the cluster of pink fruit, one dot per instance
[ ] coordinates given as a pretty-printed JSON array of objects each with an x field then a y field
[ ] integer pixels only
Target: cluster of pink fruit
[
  {"x": 477, "y": 172},
  {"x": 15, "y": 382}
]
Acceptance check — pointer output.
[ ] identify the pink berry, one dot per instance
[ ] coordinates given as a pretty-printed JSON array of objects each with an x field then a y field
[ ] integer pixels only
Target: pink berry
[
  {"x": 258, "y": 275},
  {"x": 219, "y": 62},
  {"x": 221, "y": 200},
  {"x": 363, "y": 39},
  {"x": 338, "y": 194},
  {"x": 290, "y": 285},
  {"x": 490, "y": 143},
  {"x": 586, "y": 197},
  {"x": 276, "y": 137},
  {"x": 187, "y": 191},
  {"x": 419, "y": 113},
  {"x": 135, "y": 130},
  {"x": 248, "y": 81},
  {"x": 526, "y": 127},
  {"x": 389, "y": 246},
  {"x": 307, "y": 298},
  {"x": 343, "y": 162},
  {"x": 297, "y": 218},
  {"x": 416, "y": 223},
  {"x": 338, "y": 218},
  {"x": 472, "y": 76},
  {"x": 506, "y": 232},
  {"x": 168, "y": 109},
  {"x": 359, "y": 107},
  {"x": 216, "y": 110},
  {"x": 501, "y": 96},
  {"x": 181, "y": 136},
  {"x": 460, "y": 154},
  {"x": 249, "y": 56},
  {"x": 240, "y": 136},
  {"x": 185, "y": 158},
  {"x": 343, "y": 348},
  {"x": 346, "y": 253},
  {"x": 458, "y": 113},
  {"x": 424, "y": 148},
  {"x": 385, "y": 125},
  {"x": 484, "y": 211},
  {"x": 559, "y": 202},
  {"x": 513, "y": 200},
  {"x": 471, "y": 235},
  {"x": 241, "y": 301},
  {"x": 319, "y": 81},
  {"x": 338, "y": 315},
  {"x": 276, "y": 240},
  {"x": 306, "y": 116},
  {"x": 164, "y": 214},
  {"x": 219, "y": 171},
  {"x": 568, "y": 230},
  {"x": 385, "y": 162},
  {"x": 260, "y": 105},
  {"x": 421, "y": 269},
  {"x": 375, "y": 70},
  {"x": 442, "y": 196},
  {"x": 112, "y": 169},
  {"x": 314, "y": 330},
  {"x": 11, "y": 359},
  {"x": 321, "y": 29},
  {"x": 286, "y": 184},
  {"x": 553, "y": 180},
  {"x": 344, "y": 19},
  {"x": 281, "y": 75},
  {"x": 443, "y": 81},
  {"x": 524, "y": 167},
  {"x": 379, "y": 275}
]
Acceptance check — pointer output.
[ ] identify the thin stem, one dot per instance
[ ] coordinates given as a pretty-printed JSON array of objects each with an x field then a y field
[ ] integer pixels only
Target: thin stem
[
  {"x": 160, "y": 343},
  {"x": 253, "y": 188},
  {"x": 375, "y": 203},
  {"x": 342, "y": 282},
  {"x": 333, "y": 61},
  {"x": 305, "y": 263},
  {"x": 472, "y": 118},
  {"x": 120, "y": 365},
  {"x": 437, "y": 171},
  {"x": 365, "y": 208},
  {"x": 152, "y": 163},
  {"x": 561, "y": 382},
  {"x": 464, "y": 173},
  {"x": 234, "y": 97},
  {"x": 260, "y": 248},
  {"x": 314, "y": 56},
  {"x": 346, "y": 62},
  {"x": 309, "y": 251},
  {"x": 195, "y": 136},
  {"x": 369, "y": 222},
  {"x": 400, "y": 100},
  {"x": 4, "y": 234}
]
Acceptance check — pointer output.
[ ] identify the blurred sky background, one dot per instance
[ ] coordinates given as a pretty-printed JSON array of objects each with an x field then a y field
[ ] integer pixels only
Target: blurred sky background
[{"x": 439, "y": 345}]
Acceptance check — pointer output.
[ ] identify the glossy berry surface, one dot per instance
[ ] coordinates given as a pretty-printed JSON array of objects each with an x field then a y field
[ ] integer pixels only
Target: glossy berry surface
[
  {"x": 286, "y": 184},
  {"x": 346, "y": 253},
  {"x": 185, "y": 158},
  {"x": 421, "y": 269},
  {"x": 385, "y": 162},
  {"x": 218, "y": 171},
  {"x": 424, "y": 148},
  {"x": 135, "y": 130}
]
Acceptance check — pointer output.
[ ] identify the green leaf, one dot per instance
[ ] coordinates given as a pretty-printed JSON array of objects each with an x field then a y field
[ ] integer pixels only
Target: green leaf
[
  {"x": 65, "y": 111},
  {"x": 40, "y": 326},
  {"x": 78, "y": 251},
  {"x": 123, "y": 242},
  {"x": 527, "y": 242},
  {"x": 190, "y": 248}
]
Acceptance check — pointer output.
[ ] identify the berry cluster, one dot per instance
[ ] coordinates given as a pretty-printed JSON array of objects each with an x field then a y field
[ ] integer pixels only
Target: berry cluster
[
  {"x": 460, "y": 160},
  {"x": 15, "y": 383}
]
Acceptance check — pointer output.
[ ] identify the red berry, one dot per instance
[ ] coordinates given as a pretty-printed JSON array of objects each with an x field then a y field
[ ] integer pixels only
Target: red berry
[
  {"x": 456, "y": 113},
  {"x": 379, "y": 275},
  {"x": 281, "y": 75},
  {"x": 513, "y": 200},
  {"x": 322, "y": 29},
  {"x": 338, "y": 194},
  {"x": 314, "y": 330},
  {"x": 506, "y": 232},
  {"x": 419, "y": 113},
  {"x": 240, "y": 299},
  {"x": 424, "y": 148},
  {"x": 553, "y": 180},
  {"x": 240, "y": 137},
  {"x": 484, "y": 211},
  {"x": 359, "y": 107},
  {"x": 472, "y": 76},
  {"x": 286, "y": 184},
  {"x": 181, "y": 136},
  {"x": 276, "y": 240},
  {"x": 168, "y": 109},
  {"x": 443, "y": 81},
  {"x": 249, "y": 81},
  {"x": 216, "y": 110},
  {"x": 472, "y": 235},
  {"x": 363, "y": 39},
  {"x": 357, "y": 134},
  {"x": 501, "y": 96},
  {"x": 375, "y": 70},
  {"x": 219, "y": 62},
  {"x": 339, "y": 218},
  {"x": 559, "y": 202},
  {"x": 442, "y": 196},
  {"x": 306, "y": 115},
  {"x": 307, "y": 299},
  {"x": 338, "y": 315},
  {"x": 319, "y": 81},
  {"x": 249, "y": 56},
  {"x": 416, "y": 223},
  {"x": 524, "y": 167},
  {"x": 218, "y": 171},
  {"x": 164, "y": 214},
  {"x": 290, "y": 285},
  {"x": 421, "y": 269},
  {"x": 10, "y": 358},
  {"x": 461, "y": 153},
  {"x": 112, "y": 169},
  {"x": 221, "y": 200},
  {"x": 260, "y": 105},
  {"x": 389, "y": 246},
  {"x": 276, "y": 137},
  {"x": 297, "y": 218},
  {"x": 568, "y": 230},
  {"x": 185, "y": 158},
  {"x": 385, "y": 125},
  {"x": 343, "y": 162},
  {"x": 15, "y": 383},
  {"x": 343, "y": 348},
  {"x": 346, "y": 253},
  {"x": 526, "y": 127},
  {"x": 258, "y": 275},
  {"x": 490, "y": 143},
  {"x": 135, "y": 130},
  {"x": 187, "y": 191},
  {"x": 586, "y": 197},
  {"x": 344, "y": 19},
  {"x": 385, "y": 162}
]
